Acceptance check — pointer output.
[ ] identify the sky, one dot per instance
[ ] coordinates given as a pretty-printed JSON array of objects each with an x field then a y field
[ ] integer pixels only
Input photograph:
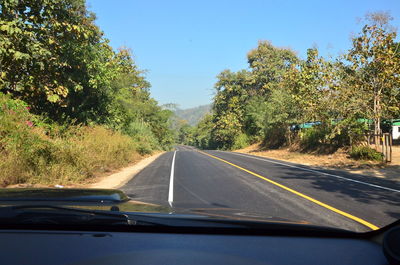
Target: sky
[{"x": 184, "y": 45}]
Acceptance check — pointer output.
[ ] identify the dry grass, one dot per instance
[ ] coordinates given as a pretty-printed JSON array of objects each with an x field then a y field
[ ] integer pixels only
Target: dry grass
[
  {"x": 82, "y": 155},
  {"x": 34, "y": 151},
  {"x": 338, "y": 160}
]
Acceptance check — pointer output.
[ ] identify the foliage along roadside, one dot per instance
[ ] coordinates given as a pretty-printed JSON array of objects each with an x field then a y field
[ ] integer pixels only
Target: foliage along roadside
[
  {"x": 55, "y": 58},
  {"x": 36, "y": 151},
  {"x": 70, "y": 106},
  {"x": 280, "y": 93}
]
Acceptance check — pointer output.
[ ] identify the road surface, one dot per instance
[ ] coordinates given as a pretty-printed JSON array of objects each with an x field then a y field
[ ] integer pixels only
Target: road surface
[{"x": 218, "y": 180}]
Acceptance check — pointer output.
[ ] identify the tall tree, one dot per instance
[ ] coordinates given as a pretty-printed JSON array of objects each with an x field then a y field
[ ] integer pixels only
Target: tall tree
[
  {"x": 269, "y": 65},
  {"x": 229, "y": 105},
  {"x": 375, "y": 65},
  {"x": 54, "y": 56},
  {"x": 308, "y": 82}
]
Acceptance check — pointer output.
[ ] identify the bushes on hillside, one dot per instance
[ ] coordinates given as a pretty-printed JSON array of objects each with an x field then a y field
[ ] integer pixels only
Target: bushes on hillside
[
  {"x": 34, "y": 151},
  {"x": 314, "y": 137},
  {"x": 275, "y": 137},
  {"x": 142, "y": 134},
  {"x": 241, "y": 141}
]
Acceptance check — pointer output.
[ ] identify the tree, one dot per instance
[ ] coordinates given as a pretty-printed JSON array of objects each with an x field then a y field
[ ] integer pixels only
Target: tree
[
  {"x": 54, "y": 57},
  {"x": 48, "y": 49},
  {"x": 269, "y": 65},
  {"x": 238, "y": 112},
  {"x": 308, "y": 83},
  {"x": 229, "y": 105},
  {"x": 129, "y": 92},
  {"x": 202, "y": 133},
  {"x": 281, "y": 112},
  {"x": 375, "y": 67},
  {"x": 185, "y": 133}
]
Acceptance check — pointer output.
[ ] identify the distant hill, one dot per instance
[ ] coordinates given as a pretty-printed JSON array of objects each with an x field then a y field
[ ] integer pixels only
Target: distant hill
[{"x": 193, "y": 115}]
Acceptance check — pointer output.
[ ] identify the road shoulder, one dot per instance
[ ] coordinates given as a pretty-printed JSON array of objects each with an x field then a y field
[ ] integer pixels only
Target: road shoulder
[
  {"x": 337, "y": 161},
  {"x": 120, "y": 178}
]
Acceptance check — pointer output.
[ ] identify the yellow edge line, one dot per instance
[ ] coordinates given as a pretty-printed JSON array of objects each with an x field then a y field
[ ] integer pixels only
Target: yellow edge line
[{"x": 355, "y": 218}]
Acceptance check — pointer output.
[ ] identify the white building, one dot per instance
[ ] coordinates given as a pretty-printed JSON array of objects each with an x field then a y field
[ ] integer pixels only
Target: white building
[{"x": 396, "y": 129}]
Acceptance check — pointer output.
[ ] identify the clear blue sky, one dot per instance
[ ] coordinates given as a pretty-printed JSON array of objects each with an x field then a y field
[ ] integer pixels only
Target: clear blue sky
[{"x": 185, "y": 44}]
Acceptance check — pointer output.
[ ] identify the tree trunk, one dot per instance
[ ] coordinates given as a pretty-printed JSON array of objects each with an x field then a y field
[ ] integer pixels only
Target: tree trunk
[
  {"x": 377, "y": 118},
  {"x": 289, "y": 135}
]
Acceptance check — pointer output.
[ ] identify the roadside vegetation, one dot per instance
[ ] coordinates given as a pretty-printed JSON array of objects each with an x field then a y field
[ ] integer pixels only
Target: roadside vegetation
[
  {"x": 273, "y": 100},
  {"x": 70, "y": 106},
  {"x": 47, "y": 153}
]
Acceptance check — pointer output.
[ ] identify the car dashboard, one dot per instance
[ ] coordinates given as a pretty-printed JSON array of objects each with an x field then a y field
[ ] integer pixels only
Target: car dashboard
[{"x": 99, "y": 247}]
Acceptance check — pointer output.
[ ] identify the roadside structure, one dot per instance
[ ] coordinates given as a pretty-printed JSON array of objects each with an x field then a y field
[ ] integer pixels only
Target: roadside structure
[{"x": 396, "y": 129}]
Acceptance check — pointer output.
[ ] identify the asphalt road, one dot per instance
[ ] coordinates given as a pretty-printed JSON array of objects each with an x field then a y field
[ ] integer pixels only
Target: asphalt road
[{"x": 217, "y": 180}]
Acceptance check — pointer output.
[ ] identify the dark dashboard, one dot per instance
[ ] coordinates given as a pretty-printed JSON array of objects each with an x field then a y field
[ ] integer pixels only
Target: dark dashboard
[{"x": 79, "y": 247}]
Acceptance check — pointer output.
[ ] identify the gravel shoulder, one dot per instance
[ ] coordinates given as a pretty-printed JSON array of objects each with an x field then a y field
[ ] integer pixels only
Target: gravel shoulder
[
  {"x": 118, "y": 179},
  {"x": 336, "y": 161}
]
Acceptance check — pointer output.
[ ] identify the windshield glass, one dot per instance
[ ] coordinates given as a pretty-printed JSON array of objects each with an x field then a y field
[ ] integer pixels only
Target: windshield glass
[{"x": 275, "y": 112}]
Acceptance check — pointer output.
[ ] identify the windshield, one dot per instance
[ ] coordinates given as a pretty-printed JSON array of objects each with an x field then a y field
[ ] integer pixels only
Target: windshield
[{"x": 274, "y": 112}]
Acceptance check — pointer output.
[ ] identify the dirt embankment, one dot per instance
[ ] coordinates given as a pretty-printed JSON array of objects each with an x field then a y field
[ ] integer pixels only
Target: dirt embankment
[{"x": 338, "y": 160}]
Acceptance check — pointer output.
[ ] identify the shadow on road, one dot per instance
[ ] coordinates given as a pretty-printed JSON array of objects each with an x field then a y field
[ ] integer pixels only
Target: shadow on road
[{"x": 348, "y": 189}]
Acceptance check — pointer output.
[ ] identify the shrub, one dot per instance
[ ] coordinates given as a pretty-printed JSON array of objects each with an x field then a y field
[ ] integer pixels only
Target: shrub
[
  {"x": 241, "y": 141},
  {"x": 97, "y": 149},
  {"x": 365, "y": 153},
  {"x": 313, "y": 137},
  {"x": 38, "y": 152},
  {"x": 275, "y": 137},
  {"x": 141, "y": 133},
  {"x": 36, "y": 158}
]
